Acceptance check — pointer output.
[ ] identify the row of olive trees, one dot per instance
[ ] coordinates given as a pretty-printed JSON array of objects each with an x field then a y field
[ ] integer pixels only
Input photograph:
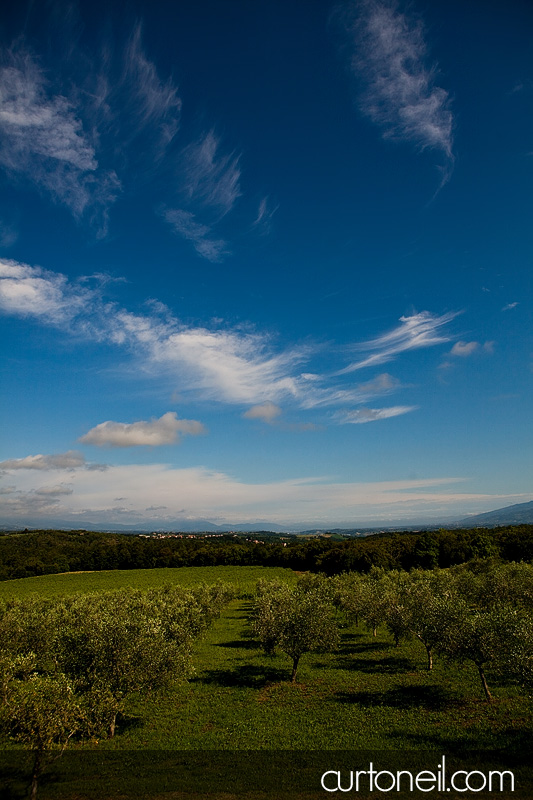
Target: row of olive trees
[
  {"x": 67, "y": 666},
  {"x": 484, "y": 617}
]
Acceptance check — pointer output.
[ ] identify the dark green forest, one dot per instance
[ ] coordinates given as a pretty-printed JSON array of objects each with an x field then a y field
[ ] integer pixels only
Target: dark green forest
[{"x": 31, "y": 553}]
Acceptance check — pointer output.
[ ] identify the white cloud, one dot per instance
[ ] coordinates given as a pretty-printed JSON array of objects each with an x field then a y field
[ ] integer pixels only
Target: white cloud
[
  {"x": 164, "y": 430},
  {"x": 266, "y": 412},
  {"x": 419, "y": 330},
  {"x": 389, "y": 55},
  {"x": 234, "y": 366},
  {"x": 510, "y": 306},
  {"x": 31, "y": 291},
  {"x": 464, "y": 349},
  {"x": 362, "y": 415},
  {"x": 72, "y": 459},
  {"x": 238, "y": 365},
  {"x": 197, "y": 492},
  {"x": 155, "y": 103},
  {"x": 210, "y": 186},
  {"x": 184, "y": 224},
  {"x": 210, "y": 177},
  {"x": 265, "y": 213},
  {"x": 44, "y": 141},
  {"x": 381, "y": 384},
  {"x": 55, "y": 491}
]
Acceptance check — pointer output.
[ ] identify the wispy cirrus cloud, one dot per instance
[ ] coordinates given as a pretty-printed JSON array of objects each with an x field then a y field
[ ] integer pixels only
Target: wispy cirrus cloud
[
  {"x": 186, "y": 226},
  {"x": 228, "y": 365},
  {"x": 234, "y": 366},
  {"x": 209, "y": 187},
  {"x": 414, "y": 332},
  {"x": 211, "y": 177},
  {"x": 389, "y": 56},
  {"x": 361, "y": 415},
  {"x": 265, "y": 213},
  {"x": 80, "y": 143},
  {"x": 135, "y": 111},
  {"x": 44, "y": 141},
  {"x": 109, "y": 127},
  {"x": 157, "y": 104},
  {"x": 165, "y": 430}
]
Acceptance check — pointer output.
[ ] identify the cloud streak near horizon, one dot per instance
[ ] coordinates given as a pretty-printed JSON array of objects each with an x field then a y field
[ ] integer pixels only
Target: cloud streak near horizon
[{"x": 196, "y": 492}]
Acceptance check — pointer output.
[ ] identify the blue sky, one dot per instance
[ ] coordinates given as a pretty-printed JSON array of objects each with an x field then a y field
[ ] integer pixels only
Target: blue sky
[{"x": 265, "y": 261}]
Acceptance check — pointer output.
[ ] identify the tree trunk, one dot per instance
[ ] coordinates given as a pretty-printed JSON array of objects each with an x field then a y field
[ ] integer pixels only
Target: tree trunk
[
  {"x": 430, "y": 657},
  {"x": 36, "y": 774},
  {"x": 294, "y": 669},
  {"x": 374, "y": 631},
  {"x": 112, "y": 726},
  {"x": 484, "y": 683}
]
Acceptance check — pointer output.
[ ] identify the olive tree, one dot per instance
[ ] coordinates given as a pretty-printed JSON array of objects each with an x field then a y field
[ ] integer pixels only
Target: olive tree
[
  {"x": 500, "y": 638},
  {"x": 271, "y": 601},
  {"x": 42, "y": 713},
  {"x": 117, "y": 643},
  {"x": 433, "y": 608},
  {"x": 297, "y": 620}
]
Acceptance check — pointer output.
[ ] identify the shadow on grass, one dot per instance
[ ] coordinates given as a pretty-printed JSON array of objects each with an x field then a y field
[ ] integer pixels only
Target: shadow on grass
[
  {"x": 15, "y": 781},
  {"x": 244, "y": 644},
  {"x": 513, "y": 747},
  {"x": 352, "y": 646},
  {"x": 383, "y": 666},
  {"x": 431, "y": 698},
  {"x": 246, "y": 676}
]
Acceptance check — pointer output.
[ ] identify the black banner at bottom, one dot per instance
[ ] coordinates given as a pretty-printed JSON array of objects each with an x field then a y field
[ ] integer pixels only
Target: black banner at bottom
[{"x": 83, "y": 774}]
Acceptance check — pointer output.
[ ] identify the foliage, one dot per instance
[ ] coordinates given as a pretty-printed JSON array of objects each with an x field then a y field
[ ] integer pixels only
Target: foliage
[
  {"x": 297, "y": 620},
  {"x": 73, "y": 674},
  {"x": 500, "y": 637},
  {"x": 367, "y": 694},
  {"x": 34, "y": 553},
  {"x": 42, "y": 713}
]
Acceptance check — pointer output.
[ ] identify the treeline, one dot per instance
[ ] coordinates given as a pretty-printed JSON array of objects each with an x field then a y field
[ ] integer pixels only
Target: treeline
[
  {"x": 33, "y": 553},
  {"x": 68, "y": 665},
  {"x": 479, "y": 614}
]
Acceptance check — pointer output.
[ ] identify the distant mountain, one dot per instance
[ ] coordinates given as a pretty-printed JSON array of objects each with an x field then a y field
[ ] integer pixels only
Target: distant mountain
[
  {"x": 519, "y": 514},
  {"x": 181, "y": 525}
]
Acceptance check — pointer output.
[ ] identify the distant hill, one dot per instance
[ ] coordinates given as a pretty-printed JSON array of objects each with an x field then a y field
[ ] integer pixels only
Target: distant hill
[{"x": 519, "y": 514}]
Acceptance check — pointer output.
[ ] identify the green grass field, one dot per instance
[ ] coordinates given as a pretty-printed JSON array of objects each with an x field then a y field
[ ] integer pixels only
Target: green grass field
[
  {"x": 243, "y": 578},
  {"x": 367, "y": 699}
]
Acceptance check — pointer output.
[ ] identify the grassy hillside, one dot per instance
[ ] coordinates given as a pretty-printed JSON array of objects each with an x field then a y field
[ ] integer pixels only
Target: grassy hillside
[
  {"x": 244, "y": 578},
  {"x": 239, "y": 728}
]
